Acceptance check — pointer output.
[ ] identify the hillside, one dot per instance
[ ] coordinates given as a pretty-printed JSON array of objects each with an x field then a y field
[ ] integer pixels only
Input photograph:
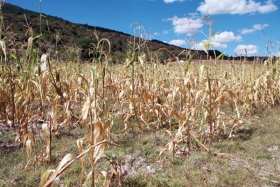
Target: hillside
[{"x": 60, "y": 33}]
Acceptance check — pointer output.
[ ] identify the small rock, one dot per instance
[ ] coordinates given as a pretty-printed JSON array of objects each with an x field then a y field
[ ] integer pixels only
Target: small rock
[
  {"x": 124, "y": 170},
  {"x": 150, "y": 170},
  {"x": 273, "y": 148}
]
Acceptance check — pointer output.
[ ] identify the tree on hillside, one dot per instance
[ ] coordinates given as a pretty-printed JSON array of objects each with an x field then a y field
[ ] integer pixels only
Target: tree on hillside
[{"x": 85, "y": 44}]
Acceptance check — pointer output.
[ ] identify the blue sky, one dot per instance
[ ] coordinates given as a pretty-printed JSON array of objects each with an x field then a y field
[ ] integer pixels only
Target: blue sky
[{"x": 238, "y": 25}]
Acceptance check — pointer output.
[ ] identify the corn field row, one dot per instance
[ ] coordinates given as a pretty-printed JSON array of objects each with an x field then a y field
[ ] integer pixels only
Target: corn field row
[
  {"x": 201, "y": 103},
  {"x": 189, "y": 103}
]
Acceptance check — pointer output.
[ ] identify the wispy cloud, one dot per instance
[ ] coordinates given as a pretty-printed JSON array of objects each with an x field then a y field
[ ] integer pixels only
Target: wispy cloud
[
  {"x": 185, "y": 25},
  {"x": 256, "y": 27},
  {"x": 246, "y": 49},
  {"x": 193, "y": 15},
  {"x": 172, "y": 1},
  {"x": 213, "y": 7},
  {"x": 179, "y": 42},
  {"x": 165, "y": 32},
  {"x": 156, "y": 34}
]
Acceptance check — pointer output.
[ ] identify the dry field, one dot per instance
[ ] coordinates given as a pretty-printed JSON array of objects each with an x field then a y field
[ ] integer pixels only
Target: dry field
[
  {"x": 140, "y": 123},
  {"x": 137, "y": 124}
]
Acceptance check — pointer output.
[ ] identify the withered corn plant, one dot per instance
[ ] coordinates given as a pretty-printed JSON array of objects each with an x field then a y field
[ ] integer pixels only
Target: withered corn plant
[
  {"x": 93, "y": 91},
  {"x": 193, "y": 104}
]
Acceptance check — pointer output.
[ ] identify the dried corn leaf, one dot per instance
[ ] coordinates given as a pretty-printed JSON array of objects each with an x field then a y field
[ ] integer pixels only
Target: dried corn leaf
[{"x": 85, "y": 111}]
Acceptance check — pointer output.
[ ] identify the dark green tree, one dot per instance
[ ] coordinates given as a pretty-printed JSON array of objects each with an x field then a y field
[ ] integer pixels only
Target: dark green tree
[{"x": 85, "y": 44}]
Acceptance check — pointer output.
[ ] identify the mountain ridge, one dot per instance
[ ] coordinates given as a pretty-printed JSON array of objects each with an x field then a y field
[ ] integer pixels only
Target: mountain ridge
[{"x": 58, "y": 34}]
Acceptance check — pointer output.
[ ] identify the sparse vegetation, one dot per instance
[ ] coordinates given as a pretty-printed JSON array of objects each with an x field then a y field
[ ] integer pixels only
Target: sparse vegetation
[{"x": 136, "y": 123}]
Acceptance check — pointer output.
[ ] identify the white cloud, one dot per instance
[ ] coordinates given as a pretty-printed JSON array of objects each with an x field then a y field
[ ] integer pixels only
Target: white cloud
[
  {"x": 172, "y": 1},
  {"x": 219, "y": 40},
  {"x": 199, "y": 45},
  {"x": 269, "y": 7},
  {"x": 217, "y": 45},
  {"x": 212, "y": 7},
  {"x": 226, "y": 36},
  {"x": 185, "y": 25},
  {"x": 179, "y": 42},
  {"x": 256, "y": 27},
  {"x": 242, "y": 49}
]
